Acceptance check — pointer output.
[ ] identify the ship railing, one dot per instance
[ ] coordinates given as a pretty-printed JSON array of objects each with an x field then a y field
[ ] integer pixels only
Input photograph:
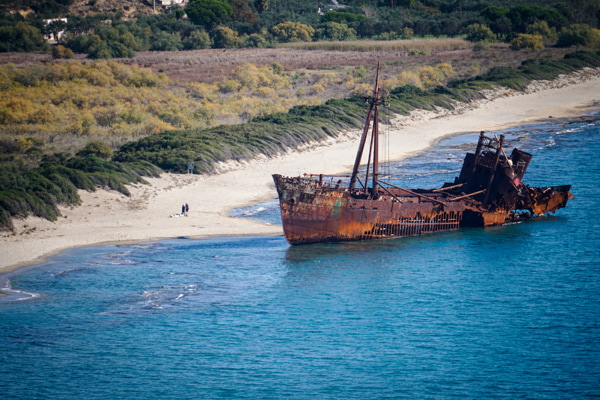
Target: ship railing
[{"x": 331, "y": 181}]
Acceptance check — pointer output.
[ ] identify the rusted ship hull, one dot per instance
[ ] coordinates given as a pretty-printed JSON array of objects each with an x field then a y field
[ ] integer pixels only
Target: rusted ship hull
[{"x": 313, "y": 212}]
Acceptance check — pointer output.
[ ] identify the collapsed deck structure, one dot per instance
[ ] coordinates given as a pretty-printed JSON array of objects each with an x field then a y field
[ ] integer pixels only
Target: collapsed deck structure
[{"x": 488, "y": 191}]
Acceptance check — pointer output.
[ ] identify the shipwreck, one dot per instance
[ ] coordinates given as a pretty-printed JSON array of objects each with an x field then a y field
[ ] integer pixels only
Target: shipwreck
[{"x": 488, "y": 191}]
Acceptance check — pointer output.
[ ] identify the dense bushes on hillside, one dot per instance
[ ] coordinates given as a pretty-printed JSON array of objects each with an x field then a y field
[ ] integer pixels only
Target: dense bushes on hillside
[
  {"x": 74, "y": 102},
  {"x": 279, "y": 132},
  {"x": 117, "y": 102},
  {"x": 266, "y": 23}
]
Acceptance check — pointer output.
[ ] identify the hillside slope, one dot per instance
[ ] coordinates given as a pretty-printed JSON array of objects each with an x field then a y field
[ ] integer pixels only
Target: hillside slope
[{"x": 128, "y": 8}]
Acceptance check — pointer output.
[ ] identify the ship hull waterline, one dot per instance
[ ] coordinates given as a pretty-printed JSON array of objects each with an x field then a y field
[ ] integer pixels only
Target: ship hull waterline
[{"x": 312, "y": 212}]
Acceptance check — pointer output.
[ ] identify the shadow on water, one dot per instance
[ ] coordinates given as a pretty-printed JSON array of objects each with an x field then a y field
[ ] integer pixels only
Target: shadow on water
[
  {"x": 467, "y": 247},
  {"x": 405, "y": 246},
  {"x": 375, "y": 255}
]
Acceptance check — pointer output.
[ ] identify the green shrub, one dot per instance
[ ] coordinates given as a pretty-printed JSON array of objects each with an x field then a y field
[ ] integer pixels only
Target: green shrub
[
  {"x": 224, "y": 38},
  {"x": 21, "y": 37},
  {"x": 289, "y": 31},
  {"x": 541, "y": 28},
  {"x": 38, "y": 191},
  {"x": 60, "y": 51},
  {"x": 98, "y": 149},
  {"x": 197, "y": 40},
  {"x": 164, "y": 41},
  {"x": 578, "y": 35},
  {"x": 529, "y": 42},
  {"x": 480, "y": 33},
  {"x": 481, "y": 46}
]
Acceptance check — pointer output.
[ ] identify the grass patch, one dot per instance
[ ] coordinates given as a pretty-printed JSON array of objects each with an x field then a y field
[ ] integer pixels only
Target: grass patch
[{"x": 428, "y": 44}]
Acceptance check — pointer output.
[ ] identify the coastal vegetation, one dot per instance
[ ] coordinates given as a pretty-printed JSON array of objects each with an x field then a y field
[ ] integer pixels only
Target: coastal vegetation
[
  {"x": 76, "y": 101},
  {"x": 122, "y": 89},
  {"x": 64, "y": 105},
  {"x": 119, "y": 29},
  {"x": 275, "y": 133},
  {"x": 34, "y": 181}
]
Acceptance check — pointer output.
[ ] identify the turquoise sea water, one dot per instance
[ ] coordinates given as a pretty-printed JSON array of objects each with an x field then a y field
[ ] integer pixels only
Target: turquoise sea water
[{"x": 501, "y": 313}]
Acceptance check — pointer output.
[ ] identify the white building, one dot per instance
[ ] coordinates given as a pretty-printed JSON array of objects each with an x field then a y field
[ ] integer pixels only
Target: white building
[
  {"x": 171, "y": 2},
  {"x": 53, "y": 37}
]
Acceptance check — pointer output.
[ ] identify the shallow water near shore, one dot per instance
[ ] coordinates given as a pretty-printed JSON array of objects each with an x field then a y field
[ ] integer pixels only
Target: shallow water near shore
[{"x": 505, "y": 312}]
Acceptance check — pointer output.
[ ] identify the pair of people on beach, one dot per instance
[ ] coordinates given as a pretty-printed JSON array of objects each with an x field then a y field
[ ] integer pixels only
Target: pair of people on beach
[{"x": 184, "y": 209}]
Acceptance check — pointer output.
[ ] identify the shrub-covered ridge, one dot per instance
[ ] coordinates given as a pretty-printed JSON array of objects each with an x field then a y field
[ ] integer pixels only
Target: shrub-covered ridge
[{"x": 280, "y": 132}]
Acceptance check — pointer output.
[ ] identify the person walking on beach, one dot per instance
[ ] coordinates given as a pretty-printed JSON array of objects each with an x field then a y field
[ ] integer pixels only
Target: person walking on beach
[
  {"x": 183, "y": 209},
  {"x": 187, "y": 208}
]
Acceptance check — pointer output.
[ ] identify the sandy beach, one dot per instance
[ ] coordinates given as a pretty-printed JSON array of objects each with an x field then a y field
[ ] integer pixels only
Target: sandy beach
[{"x": 109, "y": 217}]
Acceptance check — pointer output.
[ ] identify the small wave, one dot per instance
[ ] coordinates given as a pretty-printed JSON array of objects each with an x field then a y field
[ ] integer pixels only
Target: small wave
[
  {"x": 71, "y": 271},
  {"x": 152, "y": 293},
  {"x": 247, "y": 213},
  {"x": 562, "y": 132},
  {"x": 123, "y": 258},
  {"x": 15, "y": 294},
  {"x": 165, "y": 296},
  {"x": 138, "y": 245}
]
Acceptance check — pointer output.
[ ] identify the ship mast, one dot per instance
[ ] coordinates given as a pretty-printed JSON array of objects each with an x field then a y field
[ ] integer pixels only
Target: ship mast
[{"x": 373, "y": 115}]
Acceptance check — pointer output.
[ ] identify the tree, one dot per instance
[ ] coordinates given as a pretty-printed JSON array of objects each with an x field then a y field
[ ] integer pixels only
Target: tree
[
  {"x": 50, "y": 8},
  {"x": 21, "y": 37},
  {"x": 523, "y": 16},
  {"x": 541, "y": 28},
  {"x": 209, "y": 13},
  {"x": 501, "y": 27},
  {"x": 336, "y": 31},
  {"x": 367, "y": 28},
  {"x": 497, "y": 19},
  {"x": 342, "y": 17},
  {"x": 54, "y": 29},
  {"x": 582, "y": 11},
  {"x": 82, "y": 43},
  {"x": 110, "y": 50},
  {"x": 197, "y": 40},
  {"x": 242, "y": 11},
  {"x": 450, "y": 25},
  {"x": 164, "y": 41},
  {"x": 108, "y": 42},
  {"x": 578, "y": 35},
  {"x": 262, "y": 5},
  {"x": 494, "y": 13},
  {"x": 479, "y": 33},
  {"x": 224, "y": 38},
  {"x": 292, "y": 32}
]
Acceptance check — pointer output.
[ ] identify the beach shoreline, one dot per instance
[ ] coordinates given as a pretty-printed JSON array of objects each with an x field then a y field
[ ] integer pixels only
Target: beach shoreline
[{"x": 150, "y": 213}]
